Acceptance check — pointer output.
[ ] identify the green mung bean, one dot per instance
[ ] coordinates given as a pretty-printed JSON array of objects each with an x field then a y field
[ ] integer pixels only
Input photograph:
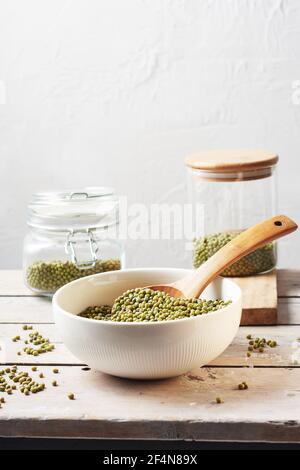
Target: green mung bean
[
  {"x": 43, "y": 344},
  {"x": 243, "y": 386},
  {"x": 260, "y": 260},
  {"x": 259, "y": 344},
  {"x": 146, "y": 305},
  {"x": 50, "y": 276}
]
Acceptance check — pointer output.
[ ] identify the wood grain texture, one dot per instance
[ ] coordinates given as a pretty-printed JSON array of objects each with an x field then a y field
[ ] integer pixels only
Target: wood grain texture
[
  {"x": 230, "y": 160},
  {"x": 259, "y": 299},
  {"x": 38, "y": 310},
  {"x": 288, "y": 311},
  {"x": 180, "y": 408},
  {"x": 235, "y": 355},
  {"x": 288, "y": 282},
  {"x": 12, "y": 283},
  {"x": 25, "y": 310}
]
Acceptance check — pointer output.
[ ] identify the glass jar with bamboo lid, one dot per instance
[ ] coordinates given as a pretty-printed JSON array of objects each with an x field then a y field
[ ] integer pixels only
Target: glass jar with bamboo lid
[{"x": 235, "y": 189}]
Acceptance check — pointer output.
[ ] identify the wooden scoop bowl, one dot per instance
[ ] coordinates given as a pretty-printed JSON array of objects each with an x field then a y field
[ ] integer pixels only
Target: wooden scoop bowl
[{"x": 255, "y": 237}]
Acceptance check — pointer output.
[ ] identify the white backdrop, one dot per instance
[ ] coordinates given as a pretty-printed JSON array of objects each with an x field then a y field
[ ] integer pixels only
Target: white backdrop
[{"x": 114, "y": 92}]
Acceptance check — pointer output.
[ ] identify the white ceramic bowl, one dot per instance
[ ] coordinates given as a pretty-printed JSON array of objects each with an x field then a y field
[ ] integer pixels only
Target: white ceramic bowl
[{"x": 143, "y": 350}]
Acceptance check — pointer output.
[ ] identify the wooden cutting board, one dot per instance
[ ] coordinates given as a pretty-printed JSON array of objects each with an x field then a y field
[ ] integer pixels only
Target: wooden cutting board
[{"x": 259, "y": 299}]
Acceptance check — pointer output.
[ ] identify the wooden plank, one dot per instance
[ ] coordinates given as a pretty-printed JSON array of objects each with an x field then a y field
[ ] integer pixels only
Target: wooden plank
[
  {"x": 60, "y": 355},
  {"x": 289, "y": 282},
  {"x": 289, "y": 311},
  {"x": 48, "y": 330},
  {"x": 39, "y": 310},
  {"x": 11, "y": 283},
  {"x": 9, "y": 349},
  {"x": 25, "y": 310},
  {"x": 235, "y": 355},
  {"x": 259, "y": 299},
  {"x": 281, "y": 356},
  {"x": 180, "y": 408},
  {"x": 9, "y": 330}
]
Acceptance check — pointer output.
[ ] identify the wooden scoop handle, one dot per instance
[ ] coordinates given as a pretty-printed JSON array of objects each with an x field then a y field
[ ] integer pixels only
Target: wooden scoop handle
[{"x": 243, "y": 244}]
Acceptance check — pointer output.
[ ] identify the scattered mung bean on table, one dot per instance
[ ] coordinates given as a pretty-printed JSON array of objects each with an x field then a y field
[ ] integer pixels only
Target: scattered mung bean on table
[
  {"x": 259, "y": 344},
  {"x": 12, "y": 379}
]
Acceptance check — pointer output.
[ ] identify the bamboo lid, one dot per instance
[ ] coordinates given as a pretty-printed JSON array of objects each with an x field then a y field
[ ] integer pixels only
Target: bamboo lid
[{"x": 231, "y": 161}]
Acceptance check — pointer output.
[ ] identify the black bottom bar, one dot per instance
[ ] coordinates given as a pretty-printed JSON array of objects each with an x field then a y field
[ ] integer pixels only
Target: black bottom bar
[{"x": 119, "y": 445}]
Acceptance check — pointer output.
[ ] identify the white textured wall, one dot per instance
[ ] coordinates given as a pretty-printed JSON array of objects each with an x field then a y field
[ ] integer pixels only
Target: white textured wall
[{"x": 116, "y": 92}]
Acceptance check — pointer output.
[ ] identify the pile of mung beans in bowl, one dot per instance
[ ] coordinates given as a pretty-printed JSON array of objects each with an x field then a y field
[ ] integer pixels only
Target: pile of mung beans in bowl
[{"x": 115, "y": 325}]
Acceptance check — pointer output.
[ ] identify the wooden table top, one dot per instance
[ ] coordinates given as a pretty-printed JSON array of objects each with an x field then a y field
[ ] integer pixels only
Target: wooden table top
[{"x": 182, "y": 408}]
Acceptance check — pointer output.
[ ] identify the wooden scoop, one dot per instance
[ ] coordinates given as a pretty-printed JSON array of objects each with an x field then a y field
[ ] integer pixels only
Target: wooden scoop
[{"x": 243, "y": 244}]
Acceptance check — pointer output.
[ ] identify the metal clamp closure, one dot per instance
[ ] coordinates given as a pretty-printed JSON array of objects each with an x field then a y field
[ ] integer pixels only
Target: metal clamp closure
[{"x": 71, "y": 251}]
